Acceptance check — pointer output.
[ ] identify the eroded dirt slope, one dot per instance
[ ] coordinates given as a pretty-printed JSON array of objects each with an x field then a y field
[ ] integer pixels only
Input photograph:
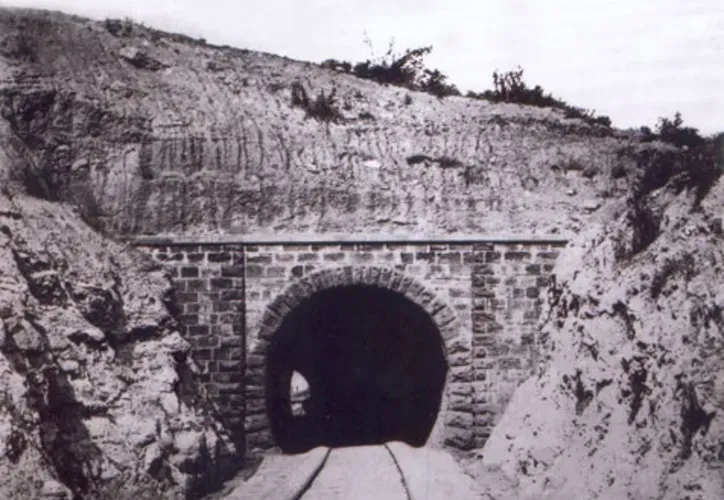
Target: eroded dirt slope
[
  {"x": 630, "y": 401},
  {"x": 162, "y": 134},
  {"x": 98, "y": 399}
]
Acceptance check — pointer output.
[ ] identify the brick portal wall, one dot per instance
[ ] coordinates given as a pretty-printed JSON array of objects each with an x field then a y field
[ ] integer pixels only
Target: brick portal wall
[
  {"x": 209, "y": 289},
  {"x": 494, "y": 290}
]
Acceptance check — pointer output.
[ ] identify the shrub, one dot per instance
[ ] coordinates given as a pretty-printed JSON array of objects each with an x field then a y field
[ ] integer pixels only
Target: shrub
[
  {"x": 118, "y": 27},
  {"x": 673, "y": 132},
  {"x": 510, "y": 87},
  {"x": 322, "y": 108},
  {"x": 701, "y": 166},
  {"x": 402, "y": 70}
]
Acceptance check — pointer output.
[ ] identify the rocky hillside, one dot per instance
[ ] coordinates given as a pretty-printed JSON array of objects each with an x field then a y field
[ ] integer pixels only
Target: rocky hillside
[
  {"x": 160, "y": 134},
  {"x": 98, "y": 399},
  {"x": 629, "y": 403}
]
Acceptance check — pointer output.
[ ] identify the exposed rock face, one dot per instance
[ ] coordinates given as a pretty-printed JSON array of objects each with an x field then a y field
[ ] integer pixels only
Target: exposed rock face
[
  {"x": 97, "y": 400},
  {"x": 208, "y": 141},
  {"x": 630, "y": 402}
]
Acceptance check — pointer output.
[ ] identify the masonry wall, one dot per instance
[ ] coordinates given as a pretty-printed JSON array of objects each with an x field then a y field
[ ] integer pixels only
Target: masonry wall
[
  {"x": 444, "y": 270},
  {"x": 209, "y": 289},
  {"x": 508, "y": 285},
  {"x": 494, "y": 289}
]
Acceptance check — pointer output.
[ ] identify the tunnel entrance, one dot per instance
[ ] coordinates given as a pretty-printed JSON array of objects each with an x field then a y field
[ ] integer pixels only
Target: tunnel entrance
[{"x": 375, "y": 367}]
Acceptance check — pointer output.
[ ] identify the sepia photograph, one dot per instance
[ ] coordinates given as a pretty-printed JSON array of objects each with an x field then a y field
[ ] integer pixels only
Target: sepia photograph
[{"x": 382, "y": 250}]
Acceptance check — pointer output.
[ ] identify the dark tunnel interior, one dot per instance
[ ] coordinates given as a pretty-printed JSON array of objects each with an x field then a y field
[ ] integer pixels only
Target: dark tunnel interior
[{"x": 374, "y": 363}]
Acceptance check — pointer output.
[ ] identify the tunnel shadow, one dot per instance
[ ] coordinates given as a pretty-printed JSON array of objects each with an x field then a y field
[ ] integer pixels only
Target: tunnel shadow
[{"x": 375, "y": 365}]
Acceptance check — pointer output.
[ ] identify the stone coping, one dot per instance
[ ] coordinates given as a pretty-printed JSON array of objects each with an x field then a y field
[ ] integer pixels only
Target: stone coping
[{"x": 332, "y": 240}]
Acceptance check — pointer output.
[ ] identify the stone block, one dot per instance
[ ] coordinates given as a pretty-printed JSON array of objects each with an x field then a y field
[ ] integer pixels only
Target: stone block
[
  {"x": 221, "y": 306},
  {"x": 461, "y": 389},
  {"x": 189, "y": 272},
  {"x": 218, "y": 257},
  {"x": 473, "y": 258},
  {"x": 255, "y": 393},
  {"x": 234, "y": 294},
  {"x": 188, "y": 319},
  {"x": 385, "y": 278},
  {"x": 254, "y": 271},
  {"x": 483, "y": 247},
  {"x": 230, "y": 366},
  {"x": 461, "y": 439},
  {"x": 255, "y": 406},
  {"x": 444, "y": 316},
  {"x": 450, "y": 331},
  {"x": 492, "y": 256},
  {"x": 221, "y": 283},
  {"x": 459, "y": 419},
  {"x": 362, "y": 258},
  {"x": 201, "y": 354},
  {"x": 517, "y": 256},
  {"x": 254, "y": 423},
  {"x": 449, "y": 258},
  {"x": 255, "y": 376},
  {"x": 425, "y": 297},
  {"x": 207, "y": 341},
  {"x": 459, "y": 359},
  {"x": 197, "y": 330},
  {"x": 276, "y": 272},
  {"x": 229, "y": 377},
  {"x": 196, "y": 285},
  {"x": 480, "y": 438},
  {"x": 533, "y": 269},
  {"x": 228, "y": 354},
  {"x": 425, "y": 257},
  {"x": 259, "y": 259},
  {"x": 261, "y": 440},
  {"x": 461, "y": 374},
  {"x": 458, "y": 403},
  {"x": 195, "y": 257},
  {"x": 308, "y": 257}
]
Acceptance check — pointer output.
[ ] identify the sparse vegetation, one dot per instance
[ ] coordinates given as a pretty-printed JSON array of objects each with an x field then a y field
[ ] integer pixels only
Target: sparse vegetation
[
  {"x": 510, "y": 87},
  {"x": 402, "y": 70},
  {"x": 119, "y": 27},
  {"x": 323, "y": 107},
  {"x": 408, "y": 70}
]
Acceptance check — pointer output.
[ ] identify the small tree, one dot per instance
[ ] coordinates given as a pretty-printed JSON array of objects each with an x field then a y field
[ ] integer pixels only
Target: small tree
[{"x": 673, "y": 132}]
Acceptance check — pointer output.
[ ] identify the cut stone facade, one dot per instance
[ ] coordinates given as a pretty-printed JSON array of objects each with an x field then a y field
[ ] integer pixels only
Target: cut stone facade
[{"x": 484, "y": 298}]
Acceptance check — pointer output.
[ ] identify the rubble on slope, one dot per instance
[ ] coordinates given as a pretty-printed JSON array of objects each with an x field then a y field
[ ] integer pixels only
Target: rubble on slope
[{"x": 97, "y": 400}]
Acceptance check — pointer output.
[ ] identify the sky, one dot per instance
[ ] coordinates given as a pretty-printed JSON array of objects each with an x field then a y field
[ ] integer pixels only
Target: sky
[{"x": 634, "y": 61}]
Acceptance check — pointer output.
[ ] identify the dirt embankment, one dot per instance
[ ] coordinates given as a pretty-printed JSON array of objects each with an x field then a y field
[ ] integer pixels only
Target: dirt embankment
[
  {"x": 629, "y": 403},
  {"x": 157, "y": 133},
  {"x": 98, "y": 398}
]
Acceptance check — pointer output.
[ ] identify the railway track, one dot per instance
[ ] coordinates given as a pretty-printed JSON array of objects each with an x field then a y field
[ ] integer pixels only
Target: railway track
[
  {"x": 369, "y": 472},
  {"x": 391, "y": 471}
]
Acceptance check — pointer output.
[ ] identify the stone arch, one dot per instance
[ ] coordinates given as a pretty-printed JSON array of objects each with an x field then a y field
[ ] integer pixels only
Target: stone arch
[{"x": 441, "y": 315}]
